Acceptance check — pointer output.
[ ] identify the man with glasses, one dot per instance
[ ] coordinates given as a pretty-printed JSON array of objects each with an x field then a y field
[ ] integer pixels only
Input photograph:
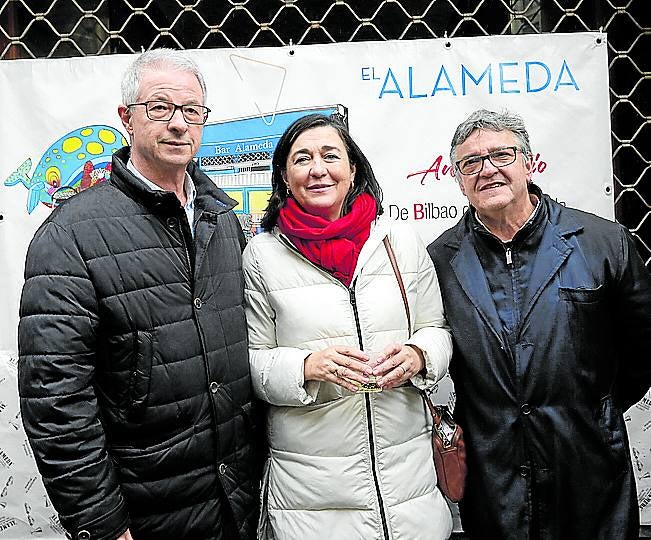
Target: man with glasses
[
  {"x": 550, "y": 310},
  {"x": 134, "y": 373}
]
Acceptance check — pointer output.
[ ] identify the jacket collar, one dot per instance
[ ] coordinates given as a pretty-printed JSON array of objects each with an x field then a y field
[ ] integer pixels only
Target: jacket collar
[
  {"x": 561, "y": 221},
  {"x": 379, "y": 229},
  {"x": 210, "y": 198},
  {"x": 553, "y": 250}
]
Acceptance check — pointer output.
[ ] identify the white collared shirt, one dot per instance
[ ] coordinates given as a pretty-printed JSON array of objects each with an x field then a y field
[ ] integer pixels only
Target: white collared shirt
[{"x": 188, "y": 187}]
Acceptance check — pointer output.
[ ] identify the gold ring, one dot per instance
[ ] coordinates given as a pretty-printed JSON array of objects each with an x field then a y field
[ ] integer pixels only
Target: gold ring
[{"x": 404, "y": 371}]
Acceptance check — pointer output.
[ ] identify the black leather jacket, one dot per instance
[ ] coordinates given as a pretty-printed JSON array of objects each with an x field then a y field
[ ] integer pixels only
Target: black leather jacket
[{"x": 547, "y": 448}]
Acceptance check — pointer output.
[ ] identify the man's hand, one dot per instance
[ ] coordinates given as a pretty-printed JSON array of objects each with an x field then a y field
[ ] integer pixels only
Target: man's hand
[{"x": 125, "y": 536}]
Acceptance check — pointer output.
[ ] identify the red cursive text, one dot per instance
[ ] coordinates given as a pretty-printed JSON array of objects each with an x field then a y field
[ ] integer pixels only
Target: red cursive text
[{"x": 438, "y": 169}]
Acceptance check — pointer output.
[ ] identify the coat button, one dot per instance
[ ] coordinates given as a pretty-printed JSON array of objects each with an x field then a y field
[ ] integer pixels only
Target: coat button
[
  {"x": 198, "y": 303},
  {"x": 525, "y": 471},
  {"x": 526, "y": 409},
  {"x": 222, "y": 468},
  {"x": 214, "y": 387},
  {"x": 83, "y": 535},
  {"x": 172, "y": 222}
]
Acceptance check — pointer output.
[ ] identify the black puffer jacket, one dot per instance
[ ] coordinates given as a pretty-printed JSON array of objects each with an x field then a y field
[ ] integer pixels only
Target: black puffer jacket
[{"x": 133, "y": 373}]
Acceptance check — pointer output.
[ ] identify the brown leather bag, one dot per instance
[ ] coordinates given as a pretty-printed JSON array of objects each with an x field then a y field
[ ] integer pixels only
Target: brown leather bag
[
  {"x": 448, "y": 446},
  {"x": 449, "y": 451}
]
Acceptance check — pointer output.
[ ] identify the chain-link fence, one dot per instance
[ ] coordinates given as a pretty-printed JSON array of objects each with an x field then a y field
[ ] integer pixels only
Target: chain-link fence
[{"x": 55, "y": 28}]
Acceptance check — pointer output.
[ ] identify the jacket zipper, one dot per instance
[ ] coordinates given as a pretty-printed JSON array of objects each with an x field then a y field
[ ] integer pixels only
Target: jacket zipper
[
  {"x": 353, "y": 303},
  {"x": 187, "y": 260},
  {"x": 508, "y": 251},
  {"x": 369, "y": 418}
]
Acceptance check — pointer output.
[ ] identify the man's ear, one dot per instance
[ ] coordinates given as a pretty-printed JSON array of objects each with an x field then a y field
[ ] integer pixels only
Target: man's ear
[{"x": 125, "y": 116}]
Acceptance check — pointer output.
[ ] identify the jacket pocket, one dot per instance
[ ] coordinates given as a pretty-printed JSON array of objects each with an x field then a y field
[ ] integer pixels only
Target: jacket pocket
[
  {"x": 140, "y": 374},
  {"x": 584, "y": 324},
  {"x": 581, "y": 295},
  {"x": 613, "y": 430}
]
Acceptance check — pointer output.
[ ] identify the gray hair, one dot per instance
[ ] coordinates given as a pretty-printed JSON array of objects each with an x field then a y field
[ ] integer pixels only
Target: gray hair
[
  {"x": 153, "y": 60},
  {"x": 492, "y": 121}
]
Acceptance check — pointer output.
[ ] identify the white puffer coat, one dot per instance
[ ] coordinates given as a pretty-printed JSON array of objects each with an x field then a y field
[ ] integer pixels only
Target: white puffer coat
[{"x": 343, "y": 465}]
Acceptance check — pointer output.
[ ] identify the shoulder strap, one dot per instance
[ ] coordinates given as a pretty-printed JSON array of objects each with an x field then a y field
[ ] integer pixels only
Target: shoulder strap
[
  {"x": 433, "y": 409},
  {"x": 396, "y": 271},
  {"x": 436, "y": 415}
]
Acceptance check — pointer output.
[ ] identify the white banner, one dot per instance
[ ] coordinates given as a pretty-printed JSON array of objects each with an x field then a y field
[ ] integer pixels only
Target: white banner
[{"x": 402, "y": 101}]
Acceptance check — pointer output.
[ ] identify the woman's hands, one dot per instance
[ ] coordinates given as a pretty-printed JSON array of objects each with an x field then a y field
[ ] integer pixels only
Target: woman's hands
[
  {"x": 339, "y": 365},
  {"x": 397, "y": 364}
]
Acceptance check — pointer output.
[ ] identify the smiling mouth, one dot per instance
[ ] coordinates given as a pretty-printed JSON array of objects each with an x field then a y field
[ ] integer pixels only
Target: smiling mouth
[
  {"x": 492, "y": 185},
  {"x": 316, "y": 187}
]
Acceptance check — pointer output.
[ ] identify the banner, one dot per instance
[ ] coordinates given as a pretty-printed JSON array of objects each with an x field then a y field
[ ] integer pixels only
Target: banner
[{"x": 402, "y": 101}]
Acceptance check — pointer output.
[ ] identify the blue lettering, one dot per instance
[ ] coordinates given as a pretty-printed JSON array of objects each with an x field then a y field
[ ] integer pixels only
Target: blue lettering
[
  {"x": 528, "y": 66},
  {"x": 411, "y": 86},
  {"x": 572, "y": 82},
  {"x": 530, "y": 76},
  {"x": 396, "y": 88},
  {"x": 504, "y": 81},
  {"x": 449, "y": 88},
  {"x": 465, "y": 72}
]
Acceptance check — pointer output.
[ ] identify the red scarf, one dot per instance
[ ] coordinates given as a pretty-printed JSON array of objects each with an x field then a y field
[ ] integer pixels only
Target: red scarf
[{"x": 332, "y": 245}]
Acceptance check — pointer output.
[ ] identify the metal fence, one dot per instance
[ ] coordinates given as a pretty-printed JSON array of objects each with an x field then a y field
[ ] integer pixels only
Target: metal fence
[{"x": 56, "y": 28}]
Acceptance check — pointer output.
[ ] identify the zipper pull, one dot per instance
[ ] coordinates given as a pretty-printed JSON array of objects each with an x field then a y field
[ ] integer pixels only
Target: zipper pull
[
  {"x": 509, "y": 258},
  {"x": 351, "y": 294}
]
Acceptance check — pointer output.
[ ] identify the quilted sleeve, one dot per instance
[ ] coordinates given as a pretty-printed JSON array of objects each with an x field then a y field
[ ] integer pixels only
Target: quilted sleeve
[
  {"x": 57, "y": 342},
  {"x": 277, "y": 372}
]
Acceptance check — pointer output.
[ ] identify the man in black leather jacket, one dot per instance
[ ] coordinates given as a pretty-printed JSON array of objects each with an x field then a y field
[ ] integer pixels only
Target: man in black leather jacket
[
  {"x": 133, "y": 372},
  {"x": 550, "y": 310}
]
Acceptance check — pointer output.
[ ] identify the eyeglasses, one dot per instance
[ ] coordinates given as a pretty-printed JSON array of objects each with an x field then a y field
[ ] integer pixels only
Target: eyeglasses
[
  {"x": 163, "y": 111},
  {"x": 498, "y": 158}
]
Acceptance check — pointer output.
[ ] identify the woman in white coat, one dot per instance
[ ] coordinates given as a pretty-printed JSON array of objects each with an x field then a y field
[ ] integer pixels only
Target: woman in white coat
[{"x": 322, "y": 297}]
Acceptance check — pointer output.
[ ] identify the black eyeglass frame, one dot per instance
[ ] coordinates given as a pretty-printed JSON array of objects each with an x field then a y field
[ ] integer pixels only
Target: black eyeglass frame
[
  {"x": 176, "y": 107},
  {"x": 488, "y": 157}
]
